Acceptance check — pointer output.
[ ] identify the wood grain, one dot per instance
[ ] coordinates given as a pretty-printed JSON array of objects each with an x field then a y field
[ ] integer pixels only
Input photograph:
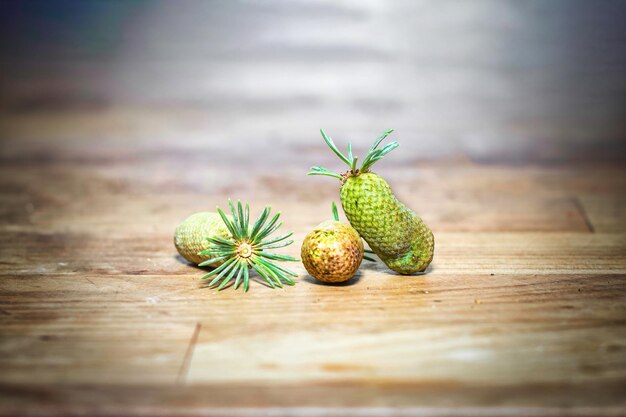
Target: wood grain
[{"x": 521, "y": 313}]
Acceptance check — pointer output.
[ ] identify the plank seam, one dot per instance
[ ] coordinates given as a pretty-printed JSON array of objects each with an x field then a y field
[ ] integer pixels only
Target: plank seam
[
  {"x": 184, "y": 367},
  {"x": 583, "y": 213}
]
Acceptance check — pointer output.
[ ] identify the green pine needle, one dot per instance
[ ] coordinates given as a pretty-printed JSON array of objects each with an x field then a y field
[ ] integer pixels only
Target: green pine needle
[
  {"x": 278, "y": 238},
  {"x": 374, "y": 154},
  {"x": 247, "y": 249},
  {"x": 239, "y": 275},
  {"x": 277, "y": 245},
  {"x": 277, "y": 257},
  {"x": 219, "y": 269},
  {"x": 353, "y": 164},
  {"x": 335, "y": 212},
  {"x": 369, "y": 252},
  {"x": 332, "y": 146},
  {"x": 213, "y": 260},
  {"x": 380, "y": 139},
  {"x": 323, "y": 171}
]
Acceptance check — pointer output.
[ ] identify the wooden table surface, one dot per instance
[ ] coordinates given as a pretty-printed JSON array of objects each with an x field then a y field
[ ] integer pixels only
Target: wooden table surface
[{"x": 523, "y": 311}]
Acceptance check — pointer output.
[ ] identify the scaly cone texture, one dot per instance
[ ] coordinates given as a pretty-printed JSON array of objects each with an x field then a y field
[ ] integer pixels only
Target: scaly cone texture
[
  {"x": 398, "y": 236},
  {"x": 190, "y": 236},
  {"x": 333, "y": 251},
  {"x": 248, "y": 248}
]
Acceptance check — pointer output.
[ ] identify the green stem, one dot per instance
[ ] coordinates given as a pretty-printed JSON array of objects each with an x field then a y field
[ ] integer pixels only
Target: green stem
[{"x": 335, "y": 212}]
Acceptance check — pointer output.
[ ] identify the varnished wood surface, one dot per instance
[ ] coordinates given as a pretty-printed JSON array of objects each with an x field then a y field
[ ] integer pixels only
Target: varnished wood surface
[
  {"x": 515, "y": 160},
  {"x": 521, "y": 313}
]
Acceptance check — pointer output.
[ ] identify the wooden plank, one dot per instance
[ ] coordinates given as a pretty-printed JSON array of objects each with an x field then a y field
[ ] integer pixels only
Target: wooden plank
[
  {"x": 387, "y": 327},
  {"x": 28, "y": 253},
  {"x": 114, "y": 352},
  {"x": 468, "y": 329},
  {"x": 498, "y": 342},
  {"x": 330, "y": 399},
  {"x": 108, "y": 203},
  {"x": 521, "y": 299},
  {"x": 84, "y": 328},
  {"x": 529, "y": 253}
]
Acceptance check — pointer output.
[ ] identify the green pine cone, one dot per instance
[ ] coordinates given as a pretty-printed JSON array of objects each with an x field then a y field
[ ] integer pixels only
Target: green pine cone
[
  {"x": 190, "y": 236},
  {"x": 398, "y": 236}
]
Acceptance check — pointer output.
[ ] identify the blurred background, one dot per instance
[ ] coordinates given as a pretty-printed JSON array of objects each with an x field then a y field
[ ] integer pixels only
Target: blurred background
[{"x": 529, "y": 81}]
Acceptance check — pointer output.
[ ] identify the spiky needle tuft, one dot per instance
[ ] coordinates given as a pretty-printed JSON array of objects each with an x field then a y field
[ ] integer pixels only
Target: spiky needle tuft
[
  {"x": 374, "y": 154},
  {"x": 248, "y": 249}
]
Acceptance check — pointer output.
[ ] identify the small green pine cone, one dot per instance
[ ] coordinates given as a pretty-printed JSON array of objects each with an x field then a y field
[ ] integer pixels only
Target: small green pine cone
[
  {"x": 332, "y": 252},
  {"x": 190, "y": 236}
]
